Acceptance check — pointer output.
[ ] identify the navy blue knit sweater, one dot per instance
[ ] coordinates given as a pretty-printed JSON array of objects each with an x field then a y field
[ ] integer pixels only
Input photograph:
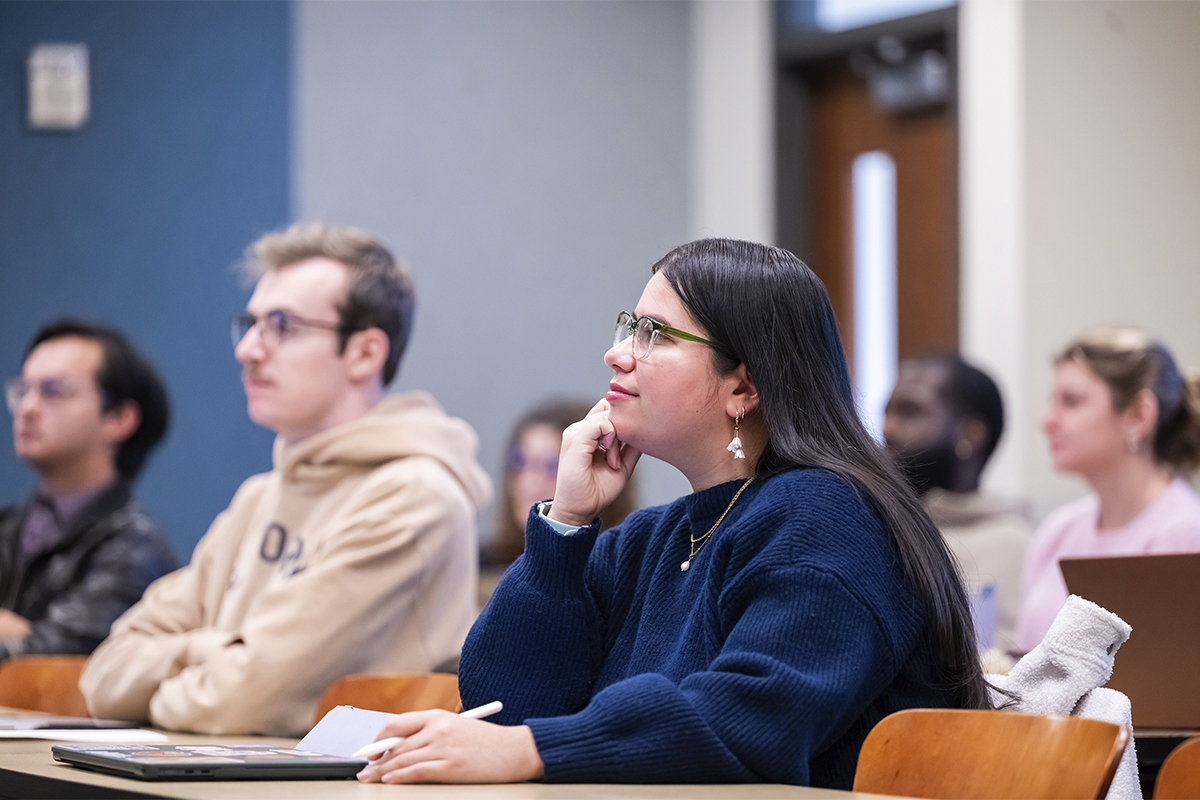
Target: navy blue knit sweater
[{"x": 791, "y": 635}]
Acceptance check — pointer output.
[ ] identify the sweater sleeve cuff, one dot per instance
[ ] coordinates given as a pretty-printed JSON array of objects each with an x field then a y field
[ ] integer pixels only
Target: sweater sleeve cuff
[
  {"x": 566, "y": 530},
  {"x": 554, "y": 562}
]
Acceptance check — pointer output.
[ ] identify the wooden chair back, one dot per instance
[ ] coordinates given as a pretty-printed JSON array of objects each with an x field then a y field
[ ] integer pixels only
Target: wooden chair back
[
  {"x": 393, "y": 693},
  {"x": 43, "y": 683},
  {"x": 1179, "y": 776},
  {"x": 989, "y": 755}
]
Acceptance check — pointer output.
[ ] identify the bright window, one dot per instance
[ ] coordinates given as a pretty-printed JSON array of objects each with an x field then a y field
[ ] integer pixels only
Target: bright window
[
  {"x": 840, "y": 15},
  {"x": 874, "y": 237}
]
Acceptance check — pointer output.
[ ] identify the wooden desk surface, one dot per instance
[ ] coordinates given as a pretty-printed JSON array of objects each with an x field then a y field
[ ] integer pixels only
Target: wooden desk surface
[
  {"x": 1165, "y": 733},
  {"x": 28, "y": 770}
]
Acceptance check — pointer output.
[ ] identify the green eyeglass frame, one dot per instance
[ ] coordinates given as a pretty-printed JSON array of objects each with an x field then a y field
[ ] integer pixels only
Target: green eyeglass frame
[{"x": 645, "y": 332}]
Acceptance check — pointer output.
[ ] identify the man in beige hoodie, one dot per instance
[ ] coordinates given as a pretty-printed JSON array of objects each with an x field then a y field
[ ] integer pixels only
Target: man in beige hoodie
[{"x": 356, "y": 553}]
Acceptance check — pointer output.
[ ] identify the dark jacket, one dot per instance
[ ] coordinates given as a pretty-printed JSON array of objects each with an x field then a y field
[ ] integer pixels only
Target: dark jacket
[{"x": 72, "y": 592}]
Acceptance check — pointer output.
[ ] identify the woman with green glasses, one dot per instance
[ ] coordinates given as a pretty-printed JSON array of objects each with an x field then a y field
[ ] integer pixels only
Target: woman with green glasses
[{"x": 754, "y": 630}]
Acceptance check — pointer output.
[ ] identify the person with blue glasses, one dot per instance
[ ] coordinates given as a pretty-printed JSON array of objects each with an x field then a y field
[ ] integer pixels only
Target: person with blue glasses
[{"x": 530, "y": 470}]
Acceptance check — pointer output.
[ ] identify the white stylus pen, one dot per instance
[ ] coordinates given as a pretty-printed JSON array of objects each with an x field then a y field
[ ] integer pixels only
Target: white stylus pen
[{"x": 383, "y": 745}]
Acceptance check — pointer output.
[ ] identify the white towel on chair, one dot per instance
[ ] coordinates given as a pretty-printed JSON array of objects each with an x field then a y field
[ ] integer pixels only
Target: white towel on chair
[
  {"x": 1109, "y": 705},
  {"x": 1062, "y": 675}
]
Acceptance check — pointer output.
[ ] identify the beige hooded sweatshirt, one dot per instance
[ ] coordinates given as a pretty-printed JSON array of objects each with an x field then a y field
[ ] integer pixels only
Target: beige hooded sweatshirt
[{"x": 357, "y": 553}]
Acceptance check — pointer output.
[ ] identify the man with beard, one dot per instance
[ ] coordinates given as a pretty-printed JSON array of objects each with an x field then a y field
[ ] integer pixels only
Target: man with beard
[{"x": 942, "y": 423}]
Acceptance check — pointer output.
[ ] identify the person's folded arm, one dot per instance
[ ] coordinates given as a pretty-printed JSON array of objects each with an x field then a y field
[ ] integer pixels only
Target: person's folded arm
[
  {"x": 332, "y": 617},
  {"x": 159, "y": 636}
]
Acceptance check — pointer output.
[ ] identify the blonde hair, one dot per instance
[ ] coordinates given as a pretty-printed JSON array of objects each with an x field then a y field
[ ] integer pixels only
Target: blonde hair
[
  {"x": 1129, "y": 361},
  {"x": 379, "y": 292}
]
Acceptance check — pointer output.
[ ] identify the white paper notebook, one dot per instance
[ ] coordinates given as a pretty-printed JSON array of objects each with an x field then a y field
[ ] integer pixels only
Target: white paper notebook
[{"x": 344, "y": 730}]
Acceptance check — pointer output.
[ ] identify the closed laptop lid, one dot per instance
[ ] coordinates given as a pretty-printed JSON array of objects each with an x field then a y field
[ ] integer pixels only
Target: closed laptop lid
[
  {"x": 1159, "y": 596},
  {"x": 207, "y": 761}
]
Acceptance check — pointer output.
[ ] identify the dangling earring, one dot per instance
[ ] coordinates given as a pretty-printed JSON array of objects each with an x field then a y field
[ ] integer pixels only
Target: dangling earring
[
  {"x": 736, "y": 445},
  {"x": 1133, "y": 443}
]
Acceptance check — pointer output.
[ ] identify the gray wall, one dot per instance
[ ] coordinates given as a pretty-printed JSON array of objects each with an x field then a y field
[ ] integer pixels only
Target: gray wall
[{"x": 529, "y": 159}]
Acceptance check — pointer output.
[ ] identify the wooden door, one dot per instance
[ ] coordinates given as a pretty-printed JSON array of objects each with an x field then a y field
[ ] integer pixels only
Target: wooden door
[{"x": 846, "y": 122}]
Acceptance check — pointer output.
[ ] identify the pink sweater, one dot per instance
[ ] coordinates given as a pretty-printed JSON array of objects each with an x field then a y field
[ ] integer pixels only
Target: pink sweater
[{"x": 1170, "y": 525}]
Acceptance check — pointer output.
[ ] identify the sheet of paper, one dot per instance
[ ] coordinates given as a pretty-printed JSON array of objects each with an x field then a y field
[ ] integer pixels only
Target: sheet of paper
[
  {"x": 28, "y": 722},
  {"x": 344, "y": 730},
  {"x": 137, "y": 735}
]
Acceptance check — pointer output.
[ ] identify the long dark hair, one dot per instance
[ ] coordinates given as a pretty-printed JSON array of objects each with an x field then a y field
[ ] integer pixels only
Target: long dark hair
[{"x": 762, "y": 307}]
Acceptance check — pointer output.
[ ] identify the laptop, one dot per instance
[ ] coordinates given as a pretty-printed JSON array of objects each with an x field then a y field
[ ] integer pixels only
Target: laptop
[
  {"x": 1159, "y": 596},
  {"x": 196, "y": 762}
]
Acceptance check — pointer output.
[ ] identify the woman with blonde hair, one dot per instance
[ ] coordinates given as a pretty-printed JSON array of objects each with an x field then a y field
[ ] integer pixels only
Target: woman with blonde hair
[{"x": 1123, "y": 418}]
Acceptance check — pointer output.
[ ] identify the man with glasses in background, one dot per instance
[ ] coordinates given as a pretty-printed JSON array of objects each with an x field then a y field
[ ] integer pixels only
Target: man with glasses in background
[
  {"x": 356, "y": 553},
  {"x": 87, "y": 409}
]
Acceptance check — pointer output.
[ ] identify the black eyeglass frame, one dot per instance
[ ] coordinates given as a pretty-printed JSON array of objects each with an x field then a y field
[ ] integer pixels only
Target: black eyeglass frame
[{"x": 278, "y": 322}]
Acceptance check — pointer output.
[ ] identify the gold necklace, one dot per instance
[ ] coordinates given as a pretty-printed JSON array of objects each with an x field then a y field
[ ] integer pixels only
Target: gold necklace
[{"x": 700, "y": 541}]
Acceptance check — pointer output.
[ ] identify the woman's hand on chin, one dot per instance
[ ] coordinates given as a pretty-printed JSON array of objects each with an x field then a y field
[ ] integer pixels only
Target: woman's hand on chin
[
  {"x": 593, "y": 467},
  {"x": 440, "y": 747}
]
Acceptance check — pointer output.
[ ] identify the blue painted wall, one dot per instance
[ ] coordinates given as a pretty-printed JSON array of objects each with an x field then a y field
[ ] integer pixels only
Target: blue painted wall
[{"x": 137, "y": 219}]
